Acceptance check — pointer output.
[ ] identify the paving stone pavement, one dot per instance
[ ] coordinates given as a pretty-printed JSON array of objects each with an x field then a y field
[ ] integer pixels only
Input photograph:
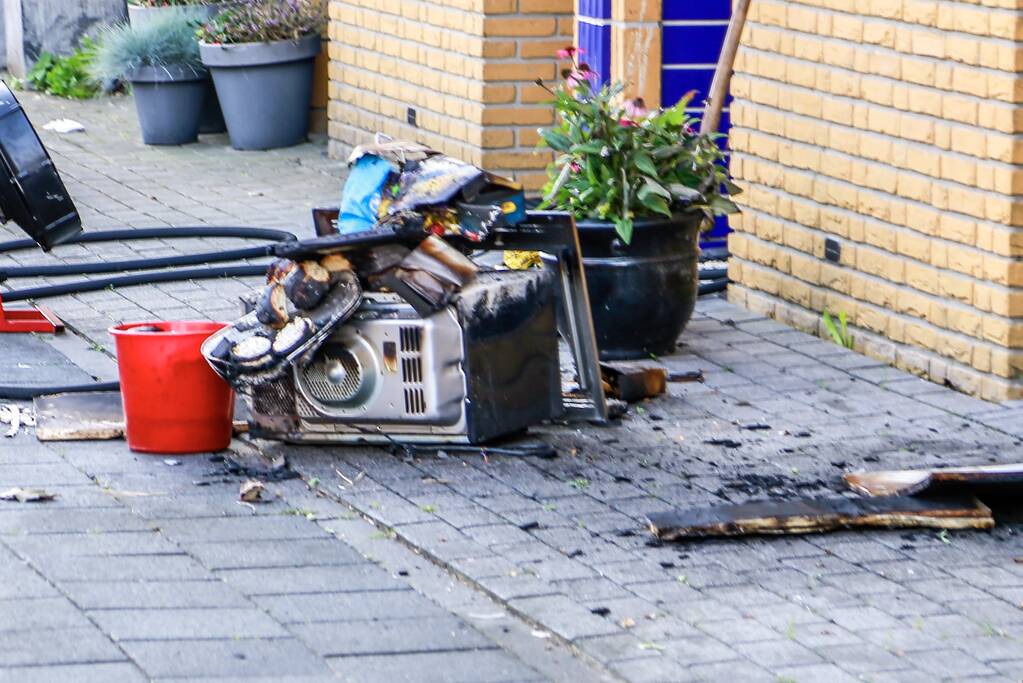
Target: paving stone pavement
[{"x": 560, "y": 543}]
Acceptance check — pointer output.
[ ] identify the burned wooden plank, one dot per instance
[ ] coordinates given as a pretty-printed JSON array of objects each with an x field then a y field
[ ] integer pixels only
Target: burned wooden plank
[
  {"x": 84, "y": 416},
  {"x": 94, "y": 416},
  {"x": 633, "y": 383},
  {"x": 964, "y": 480},
  {"x": 815, "y": 515}
]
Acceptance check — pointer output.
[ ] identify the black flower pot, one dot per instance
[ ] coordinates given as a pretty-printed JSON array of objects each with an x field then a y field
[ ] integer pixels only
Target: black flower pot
[{"x": 641, "y": 294}]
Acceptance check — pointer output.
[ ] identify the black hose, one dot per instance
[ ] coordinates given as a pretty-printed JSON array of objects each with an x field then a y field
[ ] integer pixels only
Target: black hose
[
  {"x": 270, "y": 234},
  {"x": 137, "y": 264},
  {"x": 712, "y": 286},
  {"x": 16, "y": 393},
  {"x": 42, "y": 292},
  {"x": 132, "y": 280},
  {"x": 713, "y": 273},
  {"x": 714, "y": 254}
]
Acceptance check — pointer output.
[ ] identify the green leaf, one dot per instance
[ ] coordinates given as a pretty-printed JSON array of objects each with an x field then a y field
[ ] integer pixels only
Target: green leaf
[
  {"x": 686, "y": 194},
  {"x": 723, "y": 205},
  {"x": 832, "y": 329},
  {"x": 644, "y": 163},
  {"x": 651, "y": 186},
  {"x": 590, "y": 147},
  {"x": 656, "y": 204},
  {"x": 623, "y": 226},
  {"x": 668, "y": 151},
  {"x": 731, "y": 187},
  {"x": 555, "y": 140}
]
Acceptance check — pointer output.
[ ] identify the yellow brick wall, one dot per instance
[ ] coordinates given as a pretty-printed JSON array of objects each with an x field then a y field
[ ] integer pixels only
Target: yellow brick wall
[
  {"x": 467, "y": 66},
  {"x": 895, "y": 129}
]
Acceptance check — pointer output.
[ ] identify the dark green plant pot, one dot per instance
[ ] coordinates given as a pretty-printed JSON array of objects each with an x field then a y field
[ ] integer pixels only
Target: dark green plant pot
[{"x": 642, "y": 294}]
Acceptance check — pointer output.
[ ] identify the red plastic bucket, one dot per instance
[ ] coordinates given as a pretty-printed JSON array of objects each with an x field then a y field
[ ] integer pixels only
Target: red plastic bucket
[{"x": 173, "y": 401}]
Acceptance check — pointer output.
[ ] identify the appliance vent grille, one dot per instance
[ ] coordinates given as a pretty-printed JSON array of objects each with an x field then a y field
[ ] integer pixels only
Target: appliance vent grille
[
  {"x": 320, "y": 385},
  {"x": 411, "y": 339},
  {"x": 415, "y": 401},
  {"x": 410, "y": 343}
]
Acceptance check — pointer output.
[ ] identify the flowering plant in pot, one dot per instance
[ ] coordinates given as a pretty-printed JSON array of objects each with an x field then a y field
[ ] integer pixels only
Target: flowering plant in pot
[
  {"x": 642, "y": 183},
  {"x": 261, "y": 55},
  {"x": 161, "y": 61}
]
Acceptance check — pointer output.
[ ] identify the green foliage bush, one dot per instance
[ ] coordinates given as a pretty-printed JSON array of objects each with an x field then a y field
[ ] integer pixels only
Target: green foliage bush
[{"x": 65, "y": 76}]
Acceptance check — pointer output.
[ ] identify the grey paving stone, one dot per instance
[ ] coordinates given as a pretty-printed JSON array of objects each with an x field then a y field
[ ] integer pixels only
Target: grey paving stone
[
  {"x": 563, "y": 616},
  {"x": 323, "y": 607},
  {"x": 120, "y": 568},
  {"x": 249, "y": 528},
  {"x": 309, "y": 579},
  {"x": 391, "y": 636},
  {"x": 63, "y": 521},
  {"x": 819, "y": 672},
  {"x": 184, "y": 624},
  {"x": 298, "y": 552},
  {"x": 442, "y": 667},
  {"x": 79, "y": 673},
  {"x": 91, "y": 544},
  {"x": 57, "y": 646},
  {"x": 273, "y": 659},
  {"x": 30, "y": 614},
  {"x": 778, "y": 653},
  {"x": 151, "y": 594}
]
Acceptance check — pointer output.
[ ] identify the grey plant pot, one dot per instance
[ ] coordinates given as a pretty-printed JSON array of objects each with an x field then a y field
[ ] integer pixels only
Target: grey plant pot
[
  {"x": 169, "y": 101},
  {"x": 212, "y": 120},
  {"x": 264, "y": 89}
]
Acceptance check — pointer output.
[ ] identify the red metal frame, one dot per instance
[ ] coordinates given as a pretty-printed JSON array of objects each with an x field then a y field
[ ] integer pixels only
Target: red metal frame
[{"x": 38, "y": 319}]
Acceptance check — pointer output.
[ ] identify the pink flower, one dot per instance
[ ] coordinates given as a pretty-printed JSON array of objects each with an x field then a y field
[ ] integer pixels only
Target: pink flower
[
  {"x": 576, "y": 168},
  {"x": 636, "y": 109},
  {"x": 581, "y": 77},
  {"x": 570, "y": 51},
  {"x": 628, "y": 123}
]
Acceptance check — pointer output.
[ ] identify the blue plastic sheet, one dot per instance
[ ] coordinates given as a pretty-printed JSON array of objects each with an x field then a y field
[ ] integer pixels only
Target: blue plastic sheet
[{"x": 360, "y": 198}]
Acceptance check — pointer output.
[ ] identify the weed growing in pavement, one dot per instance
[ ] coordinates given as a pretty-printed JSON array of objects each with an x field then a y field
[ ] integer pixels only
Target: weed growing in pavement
[{"x": 840, "y": 332}]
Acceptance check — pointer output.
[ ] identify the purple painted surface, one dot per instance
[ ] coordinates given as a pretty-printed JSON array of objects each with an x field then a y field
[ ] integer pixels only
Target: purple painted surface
[
  {"x": 702, "y": 10},
  {"x": 596, "y": 41},
  {"x": 598, "y": 9}
]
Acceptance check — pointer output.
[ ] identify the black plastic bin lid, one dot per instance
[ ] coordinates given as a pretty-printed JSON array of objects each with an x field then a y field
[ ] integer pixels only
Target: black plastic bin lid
[{"x": 31, "y": 191}]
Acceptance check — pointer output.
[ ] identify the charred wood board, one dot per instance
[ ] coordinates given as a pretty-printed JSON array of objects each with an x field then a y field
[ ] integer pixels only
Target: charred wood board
[
  {"x": 813, "y": 515},
  {"x": 633, "y": 383},
  {"x": 93, "y": 416},
  {"x": 96, "y": 415},
  {"x": 962, "y": 480}
]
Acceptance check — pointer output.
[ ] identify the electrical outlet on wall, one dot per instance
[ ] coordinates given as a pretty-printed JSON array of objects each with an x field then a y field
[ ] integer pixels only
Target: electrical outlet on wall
[{"x": 412, "y": 117}]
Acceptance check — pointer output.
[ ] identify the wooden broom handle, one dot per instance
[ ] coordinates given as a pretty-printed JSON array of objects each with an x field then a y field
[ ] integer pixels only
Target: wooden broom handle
[{"x": 723, "y": 73}]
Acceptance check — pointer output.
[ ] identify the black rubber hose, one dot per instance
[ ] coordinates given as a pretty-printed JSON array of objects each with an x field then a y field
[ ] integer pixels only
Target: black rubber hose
[
  {"x": 713, "y": 273},
  {"x": 274, "y": 236},
  {"x": 137, "y": 264},
  {"x": 15, "y": 393},
  {"x": 714, "y": 254},
  {"x": 131, "y": 280},
  {"x": 270, "y": 234},
  {"x": 712, "y": 286}
]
